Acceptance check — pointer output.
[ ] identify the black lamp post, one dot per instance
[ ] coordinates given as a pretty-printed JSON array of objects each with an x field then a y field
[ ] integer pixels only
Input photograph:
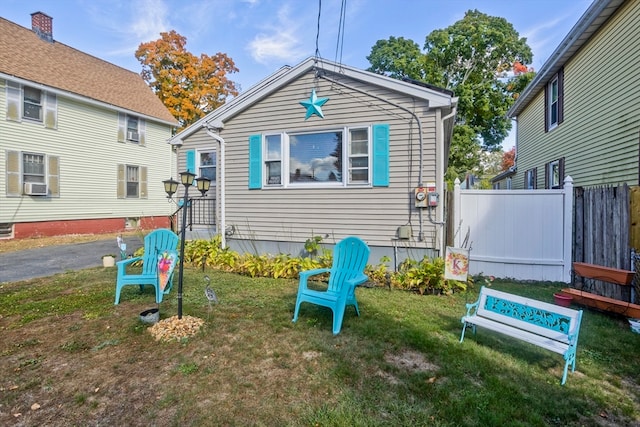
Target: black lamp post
[{"x": 171, "y": 186}]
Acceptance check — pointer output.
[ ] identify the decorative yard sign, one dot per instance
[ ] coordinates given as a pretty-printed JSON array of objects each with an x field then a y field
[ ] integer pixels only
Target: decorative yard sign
[
  {"x": 456, "y": 264},
  {"x": 166, "y": 263},
  {"x": 314, "y": 105}
]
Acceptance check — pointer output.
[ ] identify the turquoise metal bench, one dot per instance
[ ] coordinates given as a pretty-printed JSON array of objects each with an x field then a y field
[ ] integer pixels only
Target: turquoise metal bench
[{"x": 542, "y": 324}]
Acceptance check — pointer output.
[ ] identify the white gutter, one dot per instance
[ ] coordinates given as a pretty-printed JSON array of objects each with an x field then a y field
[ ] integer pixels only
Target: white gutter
[{"x": 222, "y": 228}]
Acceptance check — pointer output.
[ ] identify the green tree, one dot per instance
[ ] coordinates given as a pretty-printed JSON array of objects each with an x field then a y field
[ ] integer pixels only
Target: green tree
[
  {"x": 189, "y": 86},
  {"x": 476, "y": 58}
]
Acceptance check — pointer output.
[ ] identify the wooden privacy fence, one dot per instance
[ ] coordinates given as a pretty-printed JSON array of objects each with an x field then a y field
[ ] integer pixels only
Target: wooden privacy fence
[
  {"x": 519, "y": 234},
  {"x": 602, "y": 235}
]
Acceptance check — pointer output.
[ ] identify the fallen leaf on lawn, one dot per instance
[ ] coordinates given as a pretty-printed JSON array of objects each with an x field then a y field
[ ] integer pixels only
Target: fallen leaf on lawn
[
  {"x": 35, "y": 406},
  {"x": 17, "y": 414}
]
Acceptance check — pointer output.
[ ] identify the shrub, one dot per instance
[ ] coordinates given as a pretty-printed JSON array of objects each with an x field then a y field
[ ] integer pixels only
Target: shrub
[{"x": 424, "y": 277}]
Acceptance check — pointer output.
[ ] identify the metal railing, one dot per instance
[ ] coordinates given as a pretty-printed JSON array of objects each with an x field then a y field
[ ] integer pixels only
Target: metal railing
[{"x": 200, "y": 211}]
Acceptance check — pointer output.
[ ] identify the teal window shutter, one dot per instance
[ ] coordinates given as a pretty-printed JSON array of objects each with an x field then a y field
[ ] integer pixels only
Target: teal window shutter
[
  {"x": 255, "y": 161},
  {"x": 380, "y": 155},
  {"x": 191, "y": 161}
]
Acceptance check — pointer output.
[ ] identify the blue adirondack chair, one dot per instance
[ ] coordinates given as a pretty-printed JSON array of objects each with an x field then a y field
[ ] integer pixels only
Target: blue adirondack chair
[
  {"x": 350, "y": 257},
  {"x": 155, "y": 244}
]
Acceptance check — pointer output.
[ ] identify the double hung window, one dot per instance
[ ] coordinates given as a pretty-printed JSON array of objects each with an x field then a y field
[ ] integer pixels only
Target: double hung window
[
  {"x": 133, "y": 181},
  {"x": 208, "y": 163},
  {"x": 132, "y": 129},
  {"x": 554, "y": 174},
  {"x": 330, "y": 158},
  {"x": 32, "y": 103},
  {"x": 530, "y": 179},
  {"x": 33, "y": 167},
  {"x": 554, "y": 102}
]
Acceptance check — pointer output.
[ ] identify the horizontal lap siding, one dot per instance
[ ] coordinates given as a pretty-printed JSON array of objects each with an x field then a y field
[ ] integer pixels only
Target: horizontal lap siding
[
  {"x": 606, "y": 111},
  {"x": 600, "y": 134},
  {"x": 86, "y": 143},
  {"x": 297, "y": 214}
]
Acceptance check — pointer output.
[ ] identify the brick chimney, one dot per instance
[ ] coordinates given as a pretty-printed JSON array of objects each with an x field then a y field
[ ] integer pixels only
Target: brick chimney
[{"x": 42, "y": 25}]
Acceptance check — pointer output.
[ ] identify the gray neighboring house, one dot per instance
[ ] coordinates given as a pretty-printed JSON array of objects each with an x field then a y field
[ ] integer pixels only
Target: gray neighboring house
[
  {"x": 324, "y": 149},
  {"x": 580, "y": 116}
]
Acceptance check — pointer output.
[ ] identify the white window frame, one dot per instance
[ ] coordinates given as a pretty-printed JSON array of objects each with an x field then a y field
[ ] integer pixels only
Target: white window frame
[
  {"x": 554, "y": 103},
  {"x": 31, "y": 104},
  {"x": 133, "y": 128},
  {"x": 272, "y": 156},
  {"x": 130, "y": 171},
  {"x": 554, "y": 174},
  {"x": 273, "y": 148},
  {"x": 214, "y": 165},
  {"x": 529, "y": 177},
  {"x": 30, "y": 175}
]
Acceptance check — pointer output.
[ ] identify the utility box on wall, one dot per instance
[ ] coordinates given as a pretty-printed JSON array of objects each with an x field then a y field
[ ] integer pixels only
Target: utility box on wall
[{"x": 404, "y": 232}]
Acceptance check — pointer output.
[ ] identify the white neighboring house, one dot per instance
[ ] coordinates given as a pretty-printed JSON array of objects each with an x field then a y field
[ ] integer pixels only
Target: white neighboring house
[{"x": 82, "y": 141}]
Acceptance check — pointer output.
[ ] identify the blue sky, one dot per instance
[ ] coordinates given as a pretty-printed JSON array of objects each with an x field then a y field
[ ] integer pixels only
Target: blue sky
[{"x": 263, "y": 35}]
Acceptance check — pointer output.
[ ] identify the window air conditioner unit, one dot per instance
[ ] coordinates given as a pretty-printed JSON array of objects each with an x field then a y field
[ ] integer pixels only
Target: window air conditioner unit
[
  {"x": 132, "y": 135},
  {"x": 35, "y": 189}
]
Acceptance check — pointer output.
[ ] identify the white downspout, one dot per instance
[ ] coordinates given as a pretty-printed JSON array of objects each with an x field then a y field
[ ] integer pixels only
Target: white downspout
[
  {"x": 440, "y": 176},
  {"x": 222, "y": 227}
]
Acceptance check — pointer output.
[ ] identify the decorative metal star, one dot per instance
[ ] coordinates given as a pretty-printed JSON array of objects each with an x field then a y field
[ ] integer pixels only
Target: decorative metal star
[{"x": 314, "y": 105}]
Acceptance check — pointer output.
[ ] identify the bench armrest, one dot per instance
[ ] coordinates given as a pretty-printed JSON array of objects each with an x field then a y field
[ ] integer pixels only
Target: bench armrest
[{"x": 472, "y": 308}]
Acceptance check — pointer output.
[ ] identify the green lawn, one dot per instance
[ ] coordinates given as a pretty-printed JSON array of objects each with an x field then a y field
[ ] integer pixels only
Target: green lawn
[{"x": 68, "y": 356}]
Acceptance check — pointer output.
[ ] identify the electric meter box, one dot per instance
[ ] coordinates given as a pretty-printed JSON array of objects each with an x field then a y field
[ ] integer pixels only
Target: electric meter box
[
  {"x": 421, "y": 197},
  {"x": 426, "y": 196}
]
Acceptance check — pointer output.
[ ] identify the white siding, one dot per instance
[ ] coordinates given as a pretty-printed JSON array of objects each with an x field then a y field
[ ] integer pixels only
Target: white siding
[{"x": 85, "y": 142}]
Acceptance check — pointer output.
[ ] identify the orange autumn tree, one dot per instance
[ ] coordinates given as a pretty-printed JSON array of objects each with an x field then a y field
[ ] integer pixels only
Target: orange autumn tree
[
  {"x": 189, "y": 86},
  {"x": 508, "y": 158}
]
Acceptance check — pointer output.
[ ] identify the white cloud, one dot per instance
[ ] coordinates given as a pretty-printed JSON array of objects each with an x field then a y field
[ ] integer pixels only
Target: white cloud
[
  {"x": 278, "y": 41},
  {"x": 150, "y": 19},
  {"x": 145, "y": 20}
]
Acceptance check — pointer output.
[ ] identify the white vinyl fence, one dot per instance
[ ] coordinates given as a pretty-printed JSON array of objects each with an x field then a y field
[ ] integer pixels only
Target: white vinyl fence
[{"x": 519, "y": 234}]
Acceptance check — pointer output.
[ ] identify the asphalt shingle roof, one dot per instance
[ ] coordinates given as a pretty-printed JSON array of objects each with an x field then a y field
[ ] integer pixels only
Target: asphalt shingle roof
[{"x": 25, "y": 55}]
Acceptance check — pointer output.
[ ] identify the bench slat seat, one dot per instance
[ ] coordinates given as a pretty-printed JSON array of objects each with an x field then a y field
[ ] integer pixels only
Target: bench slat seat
[
  {"x": 539, "y": 323},
  {"x": 540, "y": 341}
]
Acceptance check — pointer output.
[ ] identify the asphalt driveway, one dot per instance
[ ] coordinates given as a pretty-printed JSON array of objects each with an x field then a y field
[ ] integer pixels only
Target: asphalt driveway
[{"x": 42, "y": 262}]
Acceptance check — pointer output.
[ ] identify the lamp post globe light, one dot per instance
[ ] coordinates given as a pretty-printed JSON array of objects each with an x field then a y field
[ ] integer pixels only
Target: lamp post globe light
[{"x": 171, "y": 187}]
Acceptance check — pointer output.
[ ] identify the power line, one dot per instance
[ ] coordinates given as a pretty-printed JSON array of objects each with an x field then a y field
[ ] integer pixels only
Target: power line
[
  {"x": 317, "y": 54},
  {"x": 340, "y": 38}
]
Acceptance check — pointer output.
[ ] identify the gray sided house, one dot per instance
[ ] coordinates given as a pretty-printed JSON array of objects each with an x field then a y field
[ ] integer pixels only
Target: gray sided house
[
  {"x": 580, "y": 116},
  {"x": 323, "y": 149},
  {"x": 82, "y": 141}
]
